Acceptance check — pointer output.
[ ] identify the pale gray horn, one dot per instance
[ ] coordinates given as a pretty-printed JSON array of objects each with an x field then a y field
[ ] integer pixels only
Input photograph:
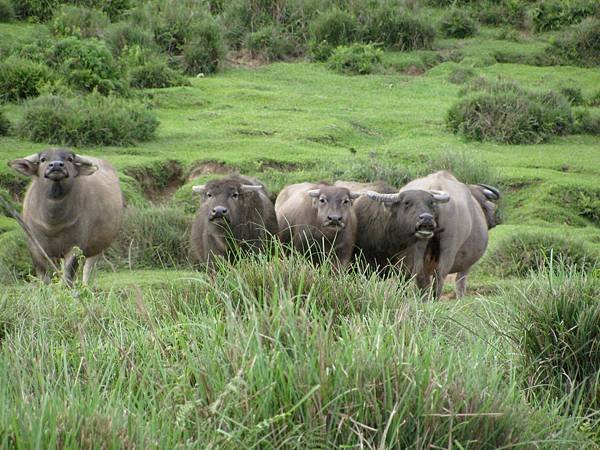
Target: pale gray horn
[
  {"x": 495, "y": 193},
  {"x": 355, "y": 195},
  {"x": 33, "y": 158},
  {"x": 314, "y": 193},
  {"x": 387, "y": 198},
  {"x": 440, "y": 196},
  {"x": 251, "y": 187},
  {"x": 199, "y": 188}
]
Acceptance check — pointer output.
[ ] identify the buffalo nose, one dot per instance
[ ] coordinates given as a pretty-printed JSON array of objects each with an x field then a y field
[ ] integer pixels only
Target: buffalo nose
[
  {"x": 426, "y": 217},
  {"x": 219, "y": 211},
  {"x": 334, "y": 218},
  {"x": 56, "y": 165}
]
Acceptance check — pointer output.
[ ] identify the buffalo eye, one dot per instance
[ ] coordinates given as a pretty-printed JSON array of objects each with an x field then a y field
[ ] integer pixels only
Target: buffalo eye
[
  {"x": 70, "y": 159},
  {"x": 209, "y": 195},
  {"x": 407, "y": 203},
  {"x": 322, "y": 200},
  {"x": 346, "y": 202},
  {"x": 235, "y": 195},
  {"x": 43, "y": 159}
]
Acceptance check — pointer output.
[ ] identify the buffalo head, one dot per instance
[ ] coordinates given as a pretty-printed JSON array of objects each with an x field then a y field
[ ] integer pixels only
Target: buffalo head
[
  {"x": 226, "y": 200},
  {"x": 333, "y": 205}
]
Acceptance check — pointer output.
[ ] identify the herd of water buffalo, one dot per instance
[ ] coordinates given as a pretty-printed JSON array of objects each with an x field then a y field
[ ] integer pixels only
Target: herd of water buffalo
[{"x": 429, "y": 228}]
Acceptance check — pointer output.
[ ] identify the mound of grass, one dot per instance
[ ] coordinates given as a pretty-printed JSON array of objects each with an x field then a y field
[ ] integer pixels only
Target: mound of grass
[
  {"x": 506, "y": 113},
  {"x": 460, "y": 75},
  {"x": 532, "y": 251},
  {"x": 355, "y": 59},
  {"x": 556, "y": 327},
  {"x": 155, "y": 74},
  {"x": 270, "y": 43},
  {"x": 21, "y": 78},
  {"x": 71, "y": 20},
  {"x": 89, "y": 120},
  {"x": 578, "y": 46},
  {"x": 587, "y": 122},
  {"x": 457, "y": 23},
  {"x": 330, "y": 30},
  {"x": 15, "y": 261},
  {"x": 5, "y": 125}
]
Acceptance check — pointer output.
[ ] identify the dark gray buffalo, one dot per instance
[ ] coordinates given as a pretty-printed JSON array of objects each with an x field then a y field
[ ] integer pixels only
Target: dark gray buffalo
[
  {"x": 318, "y": 219},
  {"x": 235, "y": 213},
  {"x": 72, "y": 201},
  {"x": 432, "y": 226}
]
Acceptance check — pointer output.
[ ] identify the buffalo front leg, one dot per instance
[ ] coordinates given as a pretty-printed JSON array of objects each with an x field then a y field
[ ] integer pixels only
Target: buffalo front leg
[
  {"x": 88, "y": 268},
  {"x": 461, "y": 283},
  {"x": 70, "y": 268}
]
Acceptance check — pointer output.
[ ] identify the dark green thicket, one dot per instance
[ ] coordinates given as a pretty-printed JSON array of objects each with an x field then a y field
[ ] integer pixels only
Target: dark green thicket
[
  {"x": 70, "y": 20},
  {"x": 204, "y": 50},
  {"x": 587, "y": 122},
  {"x": 270, "y": 43},
  {"x": 506, "y": 113},
  {"x": 330, "y": 30},
  {"x": 553, "y": 14},
  {"x": 457, "y": 23},
  {"x": 88, "y": 120},
  {"x": 21, "y": 78},
  {"x": 524, "y": 252},
  {"x": 578, "y": 46},
  {"x": 42, "y": 10},
  {"x": 5, "y": 125},
  {"x": 556, "y": 326},
  {"x": 156, "y": 74},
  {"x": 355, "y": 59},
  {"x": 7, "y": 11},
  {"x": 126, "y": 35}
]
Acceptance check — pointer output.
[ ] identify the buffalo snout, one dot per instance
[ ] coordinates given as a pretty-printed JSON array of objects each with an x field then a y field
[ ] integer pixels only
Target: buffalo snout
[
  {"x": 56, "y": 170},
  {"x": 335, "y": 220},
  {"x": 425, "y": 226},
  {"x": 219, "y": 212}
]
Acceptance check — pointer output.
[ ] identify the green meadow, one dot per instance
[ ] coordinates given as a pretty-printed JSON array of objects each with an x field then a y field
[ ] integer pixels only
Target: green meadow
[{"x": 272, "y": 352}]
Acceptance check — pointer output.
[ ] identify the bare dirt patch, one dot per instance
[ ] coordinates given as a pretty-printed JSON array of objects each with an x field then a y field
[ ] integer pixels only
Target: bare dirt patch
[{"x": 209, "y": 168}]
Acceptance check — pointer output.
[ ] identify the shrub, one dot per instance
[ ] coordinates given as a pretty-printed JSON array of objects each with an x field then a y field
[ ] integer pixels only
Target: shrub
[
  {"x": 556, "y": 327},
  {"x": 270, "y": 43},
  {"x": 70, "y": 20},
  {"x": 7, "y": 11},
  {"x": 38, "y": 10},
  {"x": 152, "y": 237},
  {"x": 460, "y": 75},
  {"x": 5, "y": 125},
  {"x": 89, "y": 120},
  {"x": 355, "y": 59},
  {"x": 504, "y": 12},
  {"x": 155, "y": 74},
  {"x": 553, "y": 14},
  {"x": 511, "y": 115},
  {"x": 204, "y": 52},
  {"x": 573, "y": 94},
  {"x": 125, "y": 35},
  {"x": 587, "y": 122},
  {"x": 330, "y": 30},
  {"x": 457, "y": 23},
  {"x": 579, "y": 46},
  {"x": 396, "y": 29},
  {"x": 532, "y": 251},
  {"x": 21, "y": 78}
]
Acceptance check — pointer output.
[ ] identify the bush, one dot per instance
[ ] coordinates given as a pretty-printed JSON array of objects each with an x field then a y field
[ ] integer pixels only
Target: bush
[
  {"x": 21, "y": 78},
  {"x": 553, "y": 14},
  {"x": 503, "y": 12},
  {"x": 330, "y": 30},
  {"x": 37, "y": 10},
  {"x": 125, "y": 35},
  {"x": 457, "y": 24},
  {"x": 7, "y": 11},
  {"x": 152, "y": 237},
  {"x": 270, "y": 43},
  {"x": 89, "y": 120},
  {"x": 397, "y": 29},
  {"x": 460, "y": 75},
  {"x": 556, "y": 326},
  {"x": 155, "y": 74},
  {"x": 510, "y": 115},
  {"x": 532, "y": 251},
  {"x": 355, "y": 59},
  {"x": 70, "y": 20},
  {"x": 5, "y": 125},
  {"x": 579, "y": 46},
  {"x": 573, "y": 94},
  {"x": 204, "y": 52},
  {"x": 587, "y": 122}
]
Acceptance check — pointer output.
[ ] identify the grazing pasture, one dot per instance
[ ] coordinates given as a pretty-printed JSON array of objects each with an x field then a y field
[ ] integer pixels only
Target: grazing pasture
[{"x": 268, "y": 349}]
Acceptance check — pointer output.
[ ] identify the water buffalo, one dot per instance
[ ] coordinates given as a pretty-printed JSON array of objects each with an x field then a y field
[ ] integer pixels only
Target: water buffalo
[
  {"x": 235, "y": 213},
  {"x": 72, "y": 201},
  {"x": 318, "y": 219}
]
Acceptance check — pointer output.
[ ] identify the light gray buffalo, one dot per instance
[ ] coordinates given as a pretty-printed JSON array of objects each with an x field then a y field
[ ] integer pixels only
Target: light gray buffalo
[
  {"x": 318, "y": 219},
  {"x": 72, "y": 201},
  {"x": 431, "y": 227},
  {"x": 235, "y": 214}
]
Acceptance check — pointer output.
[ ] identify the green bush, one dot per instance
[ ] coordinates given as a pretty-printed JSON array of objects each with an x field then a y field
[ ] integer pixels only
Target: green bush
[
  {"x": 503, "y": 12},
  {"x": 330, "y": 30},
  {"x": 155, "y": 74},
  {"x": 21, "y": 78},
  {"x": 573, "y": 94},
  {"x": 7, "y": 11},
  {"x": 460, "y": 75},
  {"x": 508, "y": 114},
  {"x": 89, "y": 120},
  {"x": 587, "y": 122},
  {"x": 204, "y": 52},
  {"x": 5, "y": 125},
  {"x": 457, "y": 23},
  {"x": 355, "y": 59},
  {"x": 70, "y": 20},
  {"x": 126, "y": 35},
  {"x": 556, "y": 327},
  {"x": 269, "y": 43},
  {"x": 152, "y": 237},
  {"x": 532, "y": 251},
  {"x": 579, "y": 46},
  {"x": 37, "y": 10},
  {"x": 553, "y": 14}
]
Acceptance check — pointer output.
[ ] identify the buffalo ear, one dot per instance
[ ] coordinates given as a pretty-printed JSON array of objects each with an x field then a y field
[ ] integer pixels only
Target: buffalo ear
[
  {"x": 26, "y": 166},
  {"x": 84, "y": 166}
]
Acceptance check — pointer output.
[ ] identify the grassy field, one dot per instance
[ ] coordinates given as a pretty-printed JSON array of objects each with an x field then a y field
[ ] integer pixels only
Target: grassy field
[{"x": 271, "y": 352}]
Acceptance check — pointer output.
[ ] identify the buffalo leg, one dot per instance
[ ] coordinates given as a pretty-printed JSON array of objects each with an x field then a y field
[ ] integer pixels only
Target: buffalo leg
[
  {"x": 441, "y": 272},
  {"x": 461, "y": 283},
  {"x": 88, "y": 267},
  {"x": 70, "y": 267}
]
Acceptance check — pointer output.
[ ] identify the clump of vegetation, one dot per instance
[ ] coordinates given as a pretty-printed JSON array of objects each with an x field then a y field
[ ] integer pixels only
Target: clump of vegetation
[
  {"x": 21, "y": 78},
  {"x": 587, "y": 122},
  {"x": 71, "y": 20},
  {"x": 355, "y": 59},
  {"x": 532, "y": 251},
  {"x": 5, "y": 125},
  {"x": 460, "y": 74},
  {"x": 457, "y": 23},
  {"x": 573, "y": 94},
  {"x": 126, "y": 35},
  {"x": 506, "y": 113},
  {"x": 371, "y": 169},
  {"x": 330, "y": 30},
  {"x": 553, "y": 14},
  {"x": 86, "y": 120},
  {"x": 7, "y": 11},
  {"x": 152, "y": 237},
  {"x": 556, "y": 327},
  {"x": 270, "y": 43},
  {"x": 155, "y": 74},
  {"x": 205, "y": 50},
  {"x": 579, "y": 46},
  {"x": 15, "y": 262}
]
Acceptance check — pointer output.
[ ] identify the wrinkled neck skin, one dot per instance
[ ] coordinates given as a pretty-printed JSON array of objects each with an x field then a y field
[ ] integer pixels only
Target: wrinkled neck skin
[{"x": 58, "y": 200}]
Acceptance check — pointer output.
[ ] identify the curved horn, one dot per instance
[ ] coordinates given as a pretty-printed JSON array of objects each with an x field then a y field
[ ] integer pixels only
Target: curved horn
[
  {"x": 82, "y": 160},
  {"x": 490, "y": 190},
  {"x": 388, "y": 198},
  {"x": 440, "y": 196},
  {"x": 251, "y": 187},
  {"x": 355, "y": 195},
  {"x": 33, "y": 158},
  {"x": 314, "y": 193},
  {"x": 199, "y": 188},
  {"x": 84, "y": 165}
]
